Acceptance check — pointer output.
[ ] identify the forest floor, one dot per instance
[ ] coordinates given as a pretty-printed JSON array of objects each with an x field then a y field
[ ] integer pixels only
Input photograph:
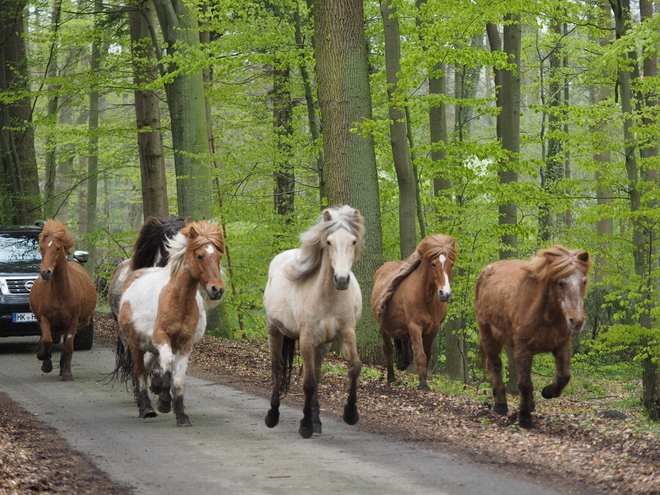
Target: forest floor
[{"x": 578, "y": 441}]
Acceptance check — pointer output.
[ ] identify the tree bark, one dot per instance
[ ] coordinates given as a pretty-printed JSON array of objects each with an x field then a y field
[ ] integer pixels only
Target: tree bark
[
  {"x": 147, "y": 113},
  {"x": 398, "y": 133},
  {"x": 350, "y": 159}
]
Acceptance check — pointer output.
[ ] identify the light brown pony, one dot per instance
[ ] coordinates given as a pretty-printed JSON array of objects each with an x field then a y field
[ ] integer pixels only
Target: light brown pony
[
  {"x": 63, "y": 298},
  {"x": 409, "y": 301},
  {"x": 532, "y": 307},
  {"x": 162, "y": 312}
]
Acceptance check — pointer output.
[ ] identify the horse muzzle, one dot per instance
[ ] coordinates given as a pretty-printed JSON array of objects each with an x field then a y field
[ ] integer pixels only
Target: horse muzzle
[
  {"x": 215, "y": 293},
  {"x": 444, "y": 296},
  {"x": 46, "y": 274},
  {"x": 575, "y": 325},
  {"x": 341, "y": 283}
]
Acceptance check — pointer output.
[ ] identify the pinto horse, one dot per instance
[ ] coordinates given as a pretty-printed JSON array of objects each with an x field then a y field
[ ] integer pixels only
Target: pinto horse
[
  {"x": 409, "y": 301},
  {"x": 161, "y": 312},
  {"x": 63, "y": 298},
  {"x": 150, "y": 249},
  {"x": 531, "y": 306},
  {"x": 312, "y": 296}
]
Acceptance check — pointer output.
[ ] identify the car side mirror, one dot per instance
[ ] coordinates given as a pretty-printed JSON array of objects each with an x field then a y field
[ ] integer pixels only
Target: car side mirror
[{"x": 81, "y": 257}]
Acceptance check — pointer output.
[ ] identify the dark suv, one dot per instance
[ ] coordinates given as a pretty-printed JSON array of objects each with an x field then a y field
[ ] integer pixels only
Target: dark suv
[{"x": 19, "y": 268}]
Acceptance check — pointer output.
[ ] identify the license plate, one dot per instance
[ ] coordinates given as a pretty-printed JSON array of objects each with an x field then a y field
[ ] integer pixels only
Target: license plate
[{"x": 23, "y": 317}]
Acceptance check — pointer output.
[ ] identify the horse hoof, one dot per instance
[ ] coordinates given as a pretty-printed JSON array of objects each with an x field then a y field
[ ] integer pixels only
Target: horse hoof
[
  {"x": 67, "y": 378},
  {"x": 425, "y": 388},
  {"x": 501, "y": 409},
  {"x": 351, "y": 417},
  {"x": 47, "y": 366},
  {"x": 183, "y": 422},
  {"x": 549, "y": 392},
  {"x": 525, "y": 420},
  {"x": 148, "y": 413},
  {"x": 164, "y": 407},
  {"x": 272, "y": 418},
  {"x": 306, "y": 430},
  {"x": 317, "y": 427}
]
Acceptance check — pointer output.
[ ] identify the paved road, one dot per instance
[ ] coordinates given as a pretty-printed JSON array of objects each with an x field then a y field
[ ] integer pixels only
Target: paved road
[{"x": 228, "y": 449}]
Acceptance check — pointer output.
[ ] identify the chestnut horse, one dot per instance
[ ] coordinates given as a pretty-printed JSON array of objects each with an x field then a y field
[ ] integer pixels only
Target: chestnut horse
[
  {"x": 531, "y": 306},
  {"x": 63, "y": 298},
  {"x": 312, "y": 296},
  {"x": 161, "y": 312},
  {"x": 409, "y": 301}
]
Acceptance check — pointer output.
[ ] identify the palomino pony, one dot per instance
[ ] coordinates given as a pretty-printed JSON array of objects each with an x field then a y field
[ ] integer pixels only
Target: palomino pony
[
  {"x": 531, "y": 306},
  {"x": 162, "y": 312},
  {"x": 409, "y": 301},
  {"x": 63, "y": 298},
  {"x": 312, "y": 296}
]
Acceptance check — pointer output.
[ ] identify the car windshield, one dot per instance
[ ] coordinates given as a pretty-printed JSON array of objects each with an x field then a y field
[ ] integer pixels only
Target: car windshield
[{"x": 18, "y": 247}]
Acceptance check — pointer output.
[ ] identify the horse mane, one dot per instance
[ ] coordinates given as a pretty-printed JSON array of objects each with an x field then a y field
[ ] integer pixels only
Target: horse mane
[
  {"x": 313, "y": 241},
  {"x": 54, "y": 229},
  {"x": 549, "y": 265},
  {"x": 431, "y": 247},
  {"x": 192, "y": 236},
  {"x": 148, "y": 249}
]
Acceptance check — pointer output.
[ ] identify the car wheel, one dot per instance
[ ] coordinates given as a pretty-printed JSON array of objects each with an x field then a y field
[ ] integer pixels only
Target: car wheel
[{"x": 84, "y": 337}]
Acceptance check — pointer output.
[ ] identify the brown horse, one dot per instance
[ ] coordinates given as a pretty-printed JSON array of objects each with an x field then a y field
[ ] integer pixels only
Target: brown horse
[
  {"x": 531, "y": 306},
  {"x": 409, "y": 301},
  {"x": 63, "y": 298},
  {"x": 162, "y": 313}
]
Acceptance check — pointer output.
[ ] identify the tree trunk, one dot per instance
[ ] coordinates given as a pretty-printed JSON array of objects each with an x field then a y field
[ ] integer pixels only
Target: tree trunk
[
  {"x": 398, "y": 133},
  {"x": 19, "y": 183},
  {"x": 283, "y": 127},
  {"x": 147, "y": 113},
  {"x": 350, "y": 159},
  {"x": 185, "y": 100}
]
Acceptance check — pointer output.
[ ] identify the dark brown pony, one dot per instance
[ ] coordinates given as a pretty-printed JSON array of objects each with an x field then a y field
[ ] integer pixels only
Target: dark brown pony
[
  {"x": 63, "y": 298},
  {"x": 409, "y": 301},
  {"x": 532, "y": 307}
]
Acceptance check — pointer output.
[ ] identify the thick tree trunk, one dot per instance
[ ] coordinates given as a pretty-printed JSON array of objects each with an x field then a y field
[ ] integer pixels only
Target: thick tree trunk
[
  {"x": 283, "y": 127},
  {"x": 350, "y": 159},
  {"x": 185, "y": 100},
  {"x": 147, "y": 114}
]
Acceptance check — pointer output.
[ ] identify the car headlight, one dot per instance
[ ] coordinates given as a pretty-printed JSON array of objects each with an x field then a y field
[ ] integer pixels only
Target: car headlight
[{"x": 3, "y": 286}]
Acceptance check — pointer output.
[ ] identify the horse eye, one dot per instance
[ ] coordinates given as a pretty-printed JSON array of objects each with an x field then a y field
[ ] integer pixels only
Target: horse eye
[
  {"x": 200, "y": 257},
  {"x": 433, "y": 265},
  {"x": 329, "y": 243},
  {"x": 561, "y": 285},
  {"x": 354, "y": 242}
]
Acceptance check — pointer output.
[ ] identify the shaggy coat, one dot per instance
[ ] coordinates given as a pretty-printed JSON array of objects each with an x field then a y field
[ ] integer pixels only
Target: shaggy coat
[
  {"x": 63, "y": 298},
  {"x": 532, "y": 307},
  {"x": 409, "y": 301},
  {"x": 313, "y": 296},
  {"x": 162, "y": 313}
]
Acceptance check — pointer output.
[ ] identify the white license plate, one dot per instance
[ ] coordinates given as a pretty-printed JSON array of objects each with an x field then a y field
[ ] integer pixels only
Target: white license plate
[{"x": 23, "y": 317}]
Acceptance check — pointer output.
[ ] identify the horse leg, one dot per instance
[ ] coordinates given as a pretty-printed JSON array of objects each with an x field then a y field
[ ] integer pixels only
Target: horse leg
[
  {"x": 275, "y": 343},
  {"x": 492, "y": 350},
  {"x": 349, "y": 350},
  {"x": 403, "y": 354},
  {"x": 527, "y": 405},
  {"x": 420, "y": 358},
  {"x": 563, "y": 374},
  {"x": 166, "y": 359},
  {"x": 178, "y": 382},
  {"x": 45, "y": 351},
  {"x": 155, "y": 372},
  {"x": 140, "y": 378},
  {"x": 319, "y": 354},
  {"x": 387, "y": 351},
  {"x": 308, "y": 352},
  {"x": 67, "y": 353}
]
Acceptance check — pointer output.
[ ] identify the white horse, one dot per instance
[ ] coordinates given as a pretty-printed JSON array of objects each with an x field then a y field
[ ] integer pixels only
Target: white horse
[{"x": 313, "y": 296}]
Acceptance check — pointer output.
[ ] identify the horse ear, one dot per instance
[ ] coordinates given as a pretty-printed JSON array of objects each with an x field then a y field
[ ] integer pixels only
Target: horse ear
[
  {"x": 327, "y": 216},
  {"x": 583, "y": 256},
  {"x": 192, "y": 233}
]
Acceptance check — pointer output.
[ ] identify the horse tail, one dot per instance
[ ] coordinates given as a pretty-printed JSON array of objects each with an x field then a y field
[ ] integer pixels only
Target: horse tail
[{"x": 288, "y": 353}]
